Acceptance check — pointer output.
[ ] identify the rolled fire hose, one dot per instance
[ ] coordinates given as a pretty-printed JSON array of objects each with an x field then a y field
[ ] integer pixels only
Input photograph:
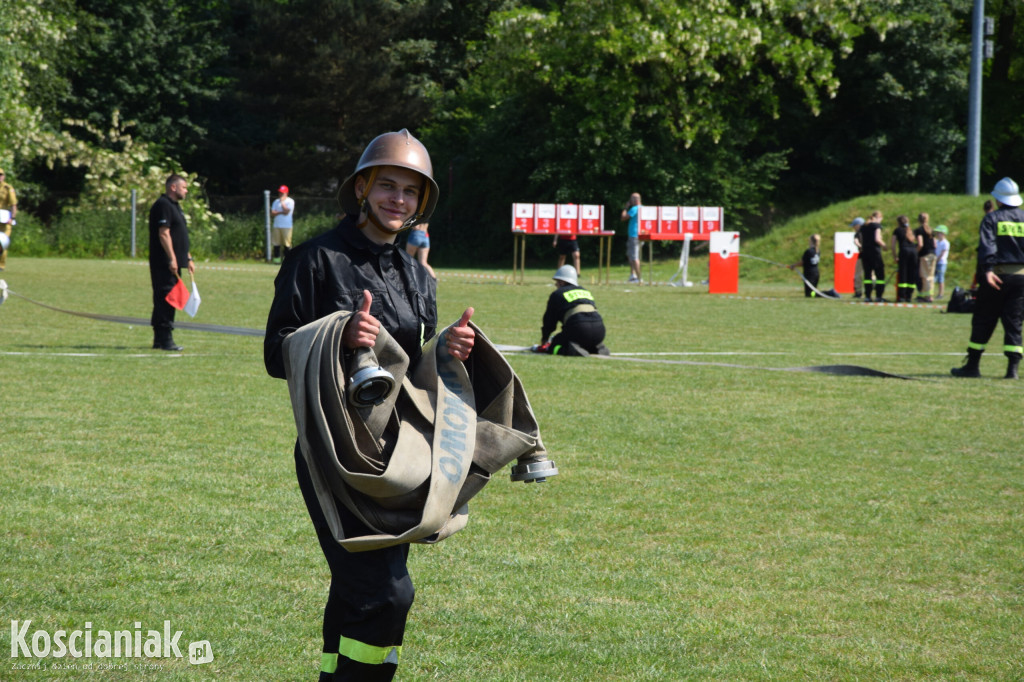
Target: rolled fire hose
[{"x": 408, "y": 465}]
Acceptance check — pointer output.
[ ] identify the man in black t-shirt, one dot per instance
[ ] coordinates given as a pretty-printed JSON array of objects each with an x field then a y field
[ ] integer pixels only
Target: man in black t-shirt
[{"x": 168, "y": 254}]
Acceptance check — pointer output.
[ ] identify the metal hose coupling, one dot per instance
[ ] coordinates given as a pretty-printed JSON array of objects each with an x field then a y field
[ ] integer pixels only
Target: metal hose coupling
[
  {"x": 371, "y": 384},
  {"x": 533, "y": 468}
]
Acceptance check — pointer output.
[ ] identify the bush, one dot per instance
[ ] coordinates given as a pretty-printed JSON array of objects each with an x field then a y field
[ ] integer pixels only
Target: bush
[
  {"x": 29, "y": 237},
  {"x": 243, "y": 235},
  {"x": 98, "y": 233},
  {"x": 94, "y": 233}
]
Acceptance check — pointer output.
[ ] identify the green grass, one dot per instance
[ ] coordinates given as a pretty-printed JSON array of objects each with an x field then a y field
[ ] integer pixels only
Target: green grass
[{"x": 709, "y": 522}]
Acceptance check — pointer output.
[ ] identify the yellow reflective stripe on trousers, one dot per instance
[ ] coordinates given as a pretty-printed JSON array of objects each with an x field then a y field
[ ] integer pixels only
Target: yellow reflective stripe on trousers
[
  {"x": 1013, "y": 349},
  {"x": 975, "y": 346},
  {"x": 328, "y": 663},
  {"x": 367, "y": 653}
]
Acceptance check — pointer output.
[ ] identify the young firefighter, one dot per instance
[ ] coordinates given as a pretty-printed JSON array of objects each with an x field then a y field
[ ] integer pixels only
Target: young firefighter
[
  {"x": 871, "y": 245},
  {"x": 809, "y": 262},
  {"x": 357, "y": 267},
  {"x": 1000, "y": 276},
  {"x": 582, "y": 326}
]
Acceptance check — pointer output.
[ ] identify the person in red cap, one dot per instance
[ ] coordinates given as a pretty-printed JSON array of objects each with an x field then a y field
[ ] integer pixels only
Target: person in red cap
[{"x": 283, "y": 210}]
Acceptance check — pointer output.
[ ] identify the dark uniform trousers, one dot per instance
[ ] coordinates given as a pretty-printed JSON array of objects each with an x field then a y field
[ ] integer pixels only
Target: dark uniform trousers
[
  {"x": 585, "y": 329},
  {"x": 369, "y": 600},
  {"x": 1005, "y": 305},
  {"x": 162, "y": 320},
  {"x": 874, "y": 267}
]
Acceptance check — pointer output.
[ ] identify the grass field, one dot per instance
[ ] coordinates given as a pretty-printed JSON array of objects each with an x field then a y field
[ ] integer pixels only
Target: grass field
[{"x": 713, "y": 519}]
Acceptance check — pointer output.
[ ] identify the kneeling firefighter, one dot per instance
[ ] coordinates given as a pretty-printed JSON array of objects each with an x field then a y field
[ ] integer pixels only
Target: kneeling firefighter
[
  {"x": 582, "y": 326},
  {"x": 353, "y": 328}
]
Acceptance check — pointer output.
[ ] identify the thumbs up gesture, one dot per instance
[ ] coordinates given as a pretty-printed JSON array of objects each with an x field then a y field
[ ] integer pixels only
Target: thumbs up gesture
[
  {"x": 461, "y": 336},
  {"x": 362, "y": 329}
]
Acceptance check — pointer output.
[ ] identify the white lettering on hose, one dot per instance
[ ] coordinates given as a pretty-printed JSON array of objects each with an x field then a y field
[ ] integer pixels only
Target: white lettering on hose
[{"x": 453, "y": 439}]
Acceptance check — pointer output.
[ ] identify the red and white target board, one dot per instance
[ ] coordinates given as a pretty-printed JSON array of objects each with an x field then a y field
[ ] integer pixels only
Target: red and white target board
[
  {"x": 689, "y": 220},
  {"x": 591, "y": 219},
  {"x": 523, "y": 220},
  {"x": 559, "y": 219},
  {"x": 710, "y": 219},
  {"x": 547, "y": 215},
  {"x": 648, "y": 220},
  {"x": 724, "y": 263},
  {"x": 568, "y": 218},
  {"x": 668, "y": 222},
  {"x": 846, "y": 255}
]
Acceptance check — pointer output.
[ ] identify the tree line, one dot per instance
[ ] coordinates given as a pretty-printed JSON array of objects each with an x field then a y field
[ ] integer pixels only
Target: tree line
[{"x": 766, "y": 107}]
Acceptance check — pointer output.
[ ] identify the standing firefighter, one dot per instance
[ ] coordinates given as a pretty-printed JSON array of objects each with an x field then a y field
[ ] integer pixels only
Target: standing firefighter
[
  {"x": 353, "y": 329},
  {"x": 871, "y": 245},
  {"x": 572, "y": 305},
  {"x": 357, "y": 267},
  {"x": 1000, "y": 276}
]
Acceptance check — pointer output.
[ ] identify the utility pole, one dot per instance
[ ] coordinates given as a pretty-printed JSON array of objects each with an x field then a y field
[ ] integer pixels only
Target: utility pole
[
  {"x": 974, "y": 100},
  {"x": 981, "y": 50}
]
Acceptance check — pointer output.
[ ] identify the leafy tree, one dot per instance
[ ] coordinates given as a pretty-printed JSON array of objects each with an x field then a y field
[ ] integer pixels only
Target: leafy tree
[
  {"x": 113, "y": 164},
  {"x": 60, "y": 116},
  {"x": 898, "y": 120},
  {"x": 596, "y": 98},
  {"x": 148, "y": 60},
  {"x": 314, "y": 80},
  {"x": 33, "y": 33},
  {"x": 1003, "y": 96}
]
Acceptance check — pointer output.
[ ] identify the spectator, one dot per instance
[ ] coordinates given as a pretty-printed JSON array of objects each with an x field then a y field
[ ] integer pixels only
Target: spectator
[
  {"x": 925, "y": 257},
  {"x": 283, "y": 211},
  {"x": 418, "y": 246},
  {"x": 941, "y": 258},
  {"x": 858, "y": 268},
  {"x": 9, "y": 203},
  {"x": 568, "y": 245},
  {"x": 632, "y": 213}
]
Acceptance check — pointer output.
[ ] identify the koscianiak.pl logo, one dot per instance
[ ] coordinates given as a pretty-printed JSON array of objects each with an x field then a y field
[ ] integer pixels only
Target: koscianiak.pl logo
[{"x": 76, "y": 648}]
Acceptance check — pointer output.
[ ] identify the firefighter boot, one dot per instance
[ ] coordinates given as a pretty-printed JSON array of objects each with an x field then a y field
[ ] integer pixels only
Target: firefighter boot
[
  {"x": 1012, "y": 362},
  {"x": 970, "y": 368}
]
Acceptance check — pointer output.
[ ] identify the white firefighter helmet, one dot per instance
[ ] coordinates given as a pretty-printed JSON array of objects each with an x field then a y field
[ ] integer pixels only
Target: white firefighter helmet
[
  {"x": 1007, "y": 193},
  {"x": 566, "y": 273}
]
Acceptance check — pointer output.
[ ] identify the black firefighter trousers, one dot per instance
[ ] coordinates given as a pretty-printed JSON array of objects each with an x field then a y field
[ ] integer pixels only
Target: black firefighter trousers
[{"x": 370, "y": 597}]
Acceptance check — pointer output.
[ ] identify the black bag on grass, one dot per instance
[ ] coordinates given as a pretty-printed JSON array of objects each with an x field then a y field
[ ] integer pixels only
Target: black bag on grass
[{"x": 961, "y": 301}]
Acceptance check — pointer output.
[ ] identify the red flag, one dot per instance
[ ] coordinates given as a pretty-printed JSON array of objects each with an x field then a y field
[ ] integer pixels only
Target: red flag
[{"x": 179, "y": 295}]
